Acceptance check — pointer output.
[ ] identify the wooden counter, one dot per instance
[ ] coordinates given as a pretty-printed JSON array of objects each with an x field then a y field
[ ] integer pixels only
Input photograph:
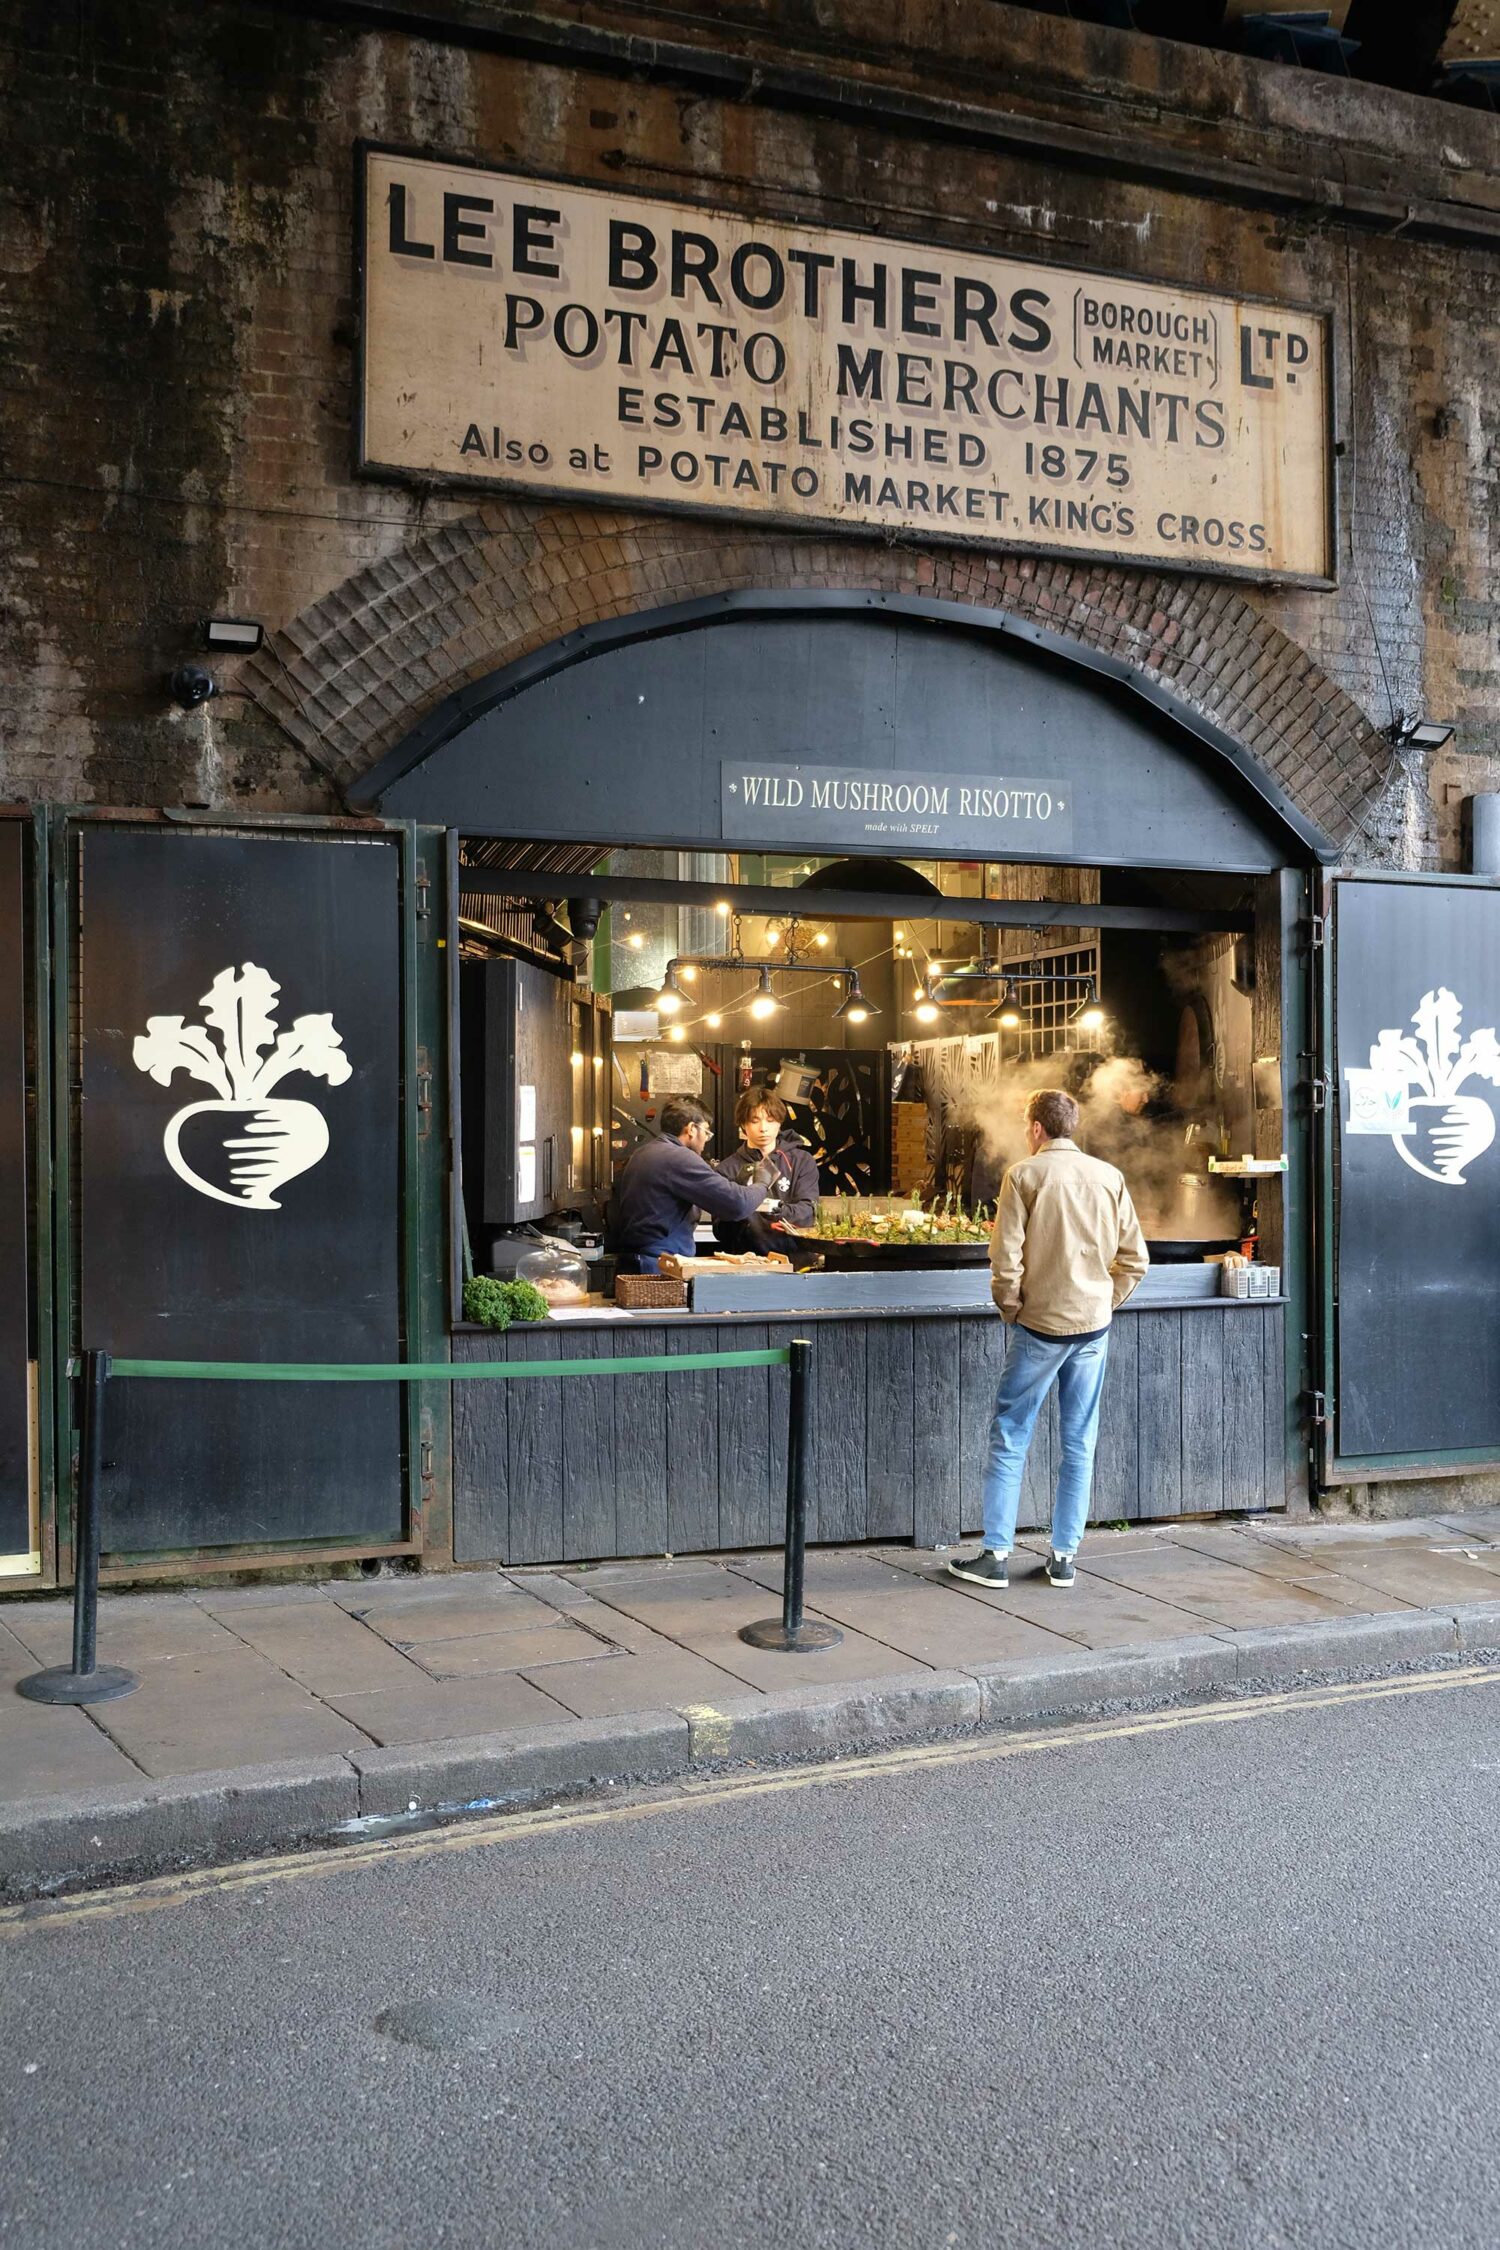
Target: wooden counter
[{"x": 1193, "y": 1423}]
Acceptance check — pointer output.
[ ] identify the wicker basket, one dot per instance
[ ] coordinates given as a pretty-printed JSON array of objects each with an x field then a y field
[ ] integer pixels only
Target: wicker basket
[{"x": 638, "y": 1292}]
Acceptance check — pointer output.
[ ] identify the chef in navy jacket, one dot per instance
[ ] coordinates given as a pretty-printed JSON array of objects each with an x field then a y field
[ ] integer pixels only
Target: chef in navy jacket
[{"x": 663, "y": 1183}]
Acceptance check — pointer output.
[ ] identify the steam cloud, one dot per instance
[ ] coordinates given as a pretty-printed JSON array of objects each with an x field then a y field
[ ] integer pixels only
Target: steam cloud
[{"x": 1154, "y": 1153}]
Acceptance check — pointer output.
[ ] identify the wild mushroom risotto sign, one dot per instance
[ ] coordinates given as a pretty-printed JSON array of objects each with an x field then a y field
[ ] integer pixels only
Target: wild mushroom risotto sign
[
  {"x": 543, "y": 337},
  {"x": 991, "y": 814}
]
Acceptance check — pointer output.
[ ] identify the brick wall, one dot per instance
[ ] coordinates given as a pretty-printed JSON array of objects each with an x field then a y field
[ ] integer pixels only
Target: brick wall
[{"x": 176, "y": 263}]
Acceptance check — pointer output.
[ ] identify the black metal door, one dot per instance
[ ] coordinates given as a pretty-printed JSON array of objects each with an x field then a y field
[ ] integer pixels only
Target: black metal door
[
  {"x": 241, "y": 1165},
  {"x": 1413, "y": 1090}
]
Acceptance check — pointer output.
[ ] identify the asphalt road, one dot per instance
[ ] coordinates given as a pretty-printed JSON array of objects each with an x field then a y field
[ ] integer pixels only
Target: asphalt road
[{"x": 1210, "y": 1985}]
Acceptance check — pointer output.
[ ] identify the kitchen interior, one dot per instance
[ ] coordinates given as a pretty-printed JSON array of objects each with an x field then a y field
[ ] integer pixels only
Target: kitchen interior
[{"x": 903, "y": 1041}]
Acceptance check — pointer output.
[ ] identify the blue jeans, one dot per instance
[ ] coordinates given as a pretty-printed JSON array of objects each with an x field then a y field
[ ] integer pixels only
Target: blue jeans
[{"x": 1032, "y": 1365}]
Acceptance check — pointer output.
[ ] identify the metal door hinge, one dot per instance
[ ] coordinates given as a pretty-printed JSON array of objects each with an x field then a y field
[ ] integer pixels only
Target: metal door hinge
[
  {"x": 1317, "y": 932},
  {"x": 424, "y": 1092},
  {"x": 423, "y": 889},
  {"x": 1317, "y": 1408},
  {"x": 1319, "y": 1092}
]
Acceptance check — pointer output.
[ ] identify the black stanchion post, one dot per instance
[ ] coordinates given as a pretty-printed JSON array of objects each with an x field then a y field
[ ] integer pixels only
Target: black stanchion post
[
  {"x": 791, "y": 1630},
  {"x": 85, "y": 1682}
]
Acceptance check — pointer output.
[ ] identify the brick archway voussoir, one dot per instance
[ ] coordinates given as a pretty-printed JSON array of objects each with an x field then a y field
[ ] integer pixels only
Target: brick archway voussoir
[{"x": 355, "y": 672}]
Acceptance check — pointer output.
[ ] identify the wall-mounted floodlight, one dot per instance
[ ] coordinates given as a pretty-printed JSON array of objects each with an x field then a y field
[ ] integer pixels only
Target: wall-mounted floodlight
[
  {"x": 237, "y": 636},
  {"x": 1419, "y": 734}
]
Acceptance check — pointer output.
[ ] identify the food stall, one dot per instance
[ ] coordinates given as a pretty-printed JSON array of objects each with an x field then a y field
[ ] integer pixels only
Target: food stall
[{"x": 907, "y": 1004}]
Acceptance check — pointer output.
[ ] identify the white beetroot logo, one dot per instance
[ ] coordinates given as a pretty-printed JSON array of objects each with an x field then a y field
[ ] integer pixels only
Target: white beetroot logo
[
  {"x": 278, "y": 1139},
  {"x": 1411, "y": 1091}
]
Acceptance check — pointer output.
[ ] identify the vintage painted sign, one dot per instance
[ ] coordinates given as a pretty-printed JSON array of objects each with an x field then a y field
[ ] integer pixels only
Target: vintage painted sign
[
  {"x": 542, "y": 337},
  {"x": 995, "y": 815}
]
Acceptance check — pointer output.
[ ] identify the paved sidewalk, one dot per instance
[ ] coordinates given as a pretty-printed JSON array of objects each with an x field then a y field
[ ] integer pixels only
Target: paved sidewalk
[{"x": 269, "y": 1713}]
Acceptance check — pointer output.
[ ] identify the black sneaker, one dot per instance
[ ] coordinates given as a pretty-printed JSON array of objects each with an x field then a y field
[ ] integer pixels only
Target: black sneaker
[
  {"x": 985, "y": 1569},
  {"x": 1060, "y": 1571}
]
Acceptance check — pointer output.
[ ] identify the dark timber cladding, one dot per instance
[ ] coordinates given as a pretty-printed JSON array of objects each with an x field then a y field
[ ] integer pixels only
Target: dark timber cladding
[
  {"x": 177, "y": 1263},
  {"x": 577, "y": 1469}
]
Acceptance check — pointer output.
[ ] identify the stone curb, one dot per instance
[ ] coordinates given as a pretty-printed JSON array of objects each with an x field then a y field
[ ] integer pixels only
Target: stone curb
[
  {"x": 525, "y": 1762},
  {"x": 811, "y": 1722},
  {"x": 46, "y": 1842},
  {"x": 1030, "y": 1687},
  {"x": 201, "y": 1816},
  {"x": 1394, "y": 1637}
]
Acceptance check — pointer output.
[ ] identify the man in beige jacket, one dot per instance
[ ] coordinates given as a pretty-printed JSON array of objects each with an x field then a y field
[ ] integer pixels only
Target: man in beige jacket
[{"x": 1066, "y": 1252}]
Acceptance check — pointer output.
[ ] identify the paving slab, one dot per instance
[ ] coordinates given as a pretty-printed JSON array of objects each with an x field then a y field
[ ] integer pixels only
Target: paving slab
[
  {"x": 615, "y": 1628},
  {"x": 45, "y": 1748},
  {"x": 907, "y": 1614},
  {"x": 325, "y": 1649},
  {"x": 702, "y": 1610},
  {"x": 210, "y": 1716},
  {"x": 615, "y": 1684},
  {"x": 557, "y": 1642},
  {"x": 1227, "y": 1594},
  {"x": 1483, "y": 1528},
  {"x": 1408, "y": 1531},
  {"x": 442, "y": 1710},
  {"x": 223, "y": 1601},
  {"x": 1424, "y": 1576},
  {"x": 1091, "y": 1614},
  {"x": 1297, "y": 1567},
  {"x": 135, "y": 1630},
  {"x": 454, "y": 1612},
  {"x": 852, "y": 1658}
]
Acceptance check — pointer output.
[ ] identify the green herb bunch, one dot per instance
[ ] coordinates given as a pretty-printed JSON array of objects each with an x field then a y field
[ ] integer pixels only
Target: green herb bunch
[{"x": 495, "y": 1304}]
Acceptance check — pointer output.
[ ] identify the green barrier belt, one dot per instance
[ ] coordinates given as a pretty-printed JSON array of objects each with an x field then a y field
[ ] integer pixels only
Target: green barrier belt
[{"x": 436, "y": 1371}]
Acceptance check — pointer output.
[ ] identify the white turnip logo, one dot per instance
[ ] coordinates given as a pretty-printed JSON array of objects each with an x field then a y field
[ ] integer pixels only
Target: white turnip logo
[
  {"x": 1411, "y": 1091},
  {"x": 277, "y": 1139}
]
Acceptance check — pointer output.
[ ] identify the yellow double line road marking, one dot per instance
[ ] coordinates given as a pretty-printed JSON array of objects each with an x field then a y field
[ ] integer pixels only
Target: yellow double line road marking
[{"x": 686, "y": 1795}]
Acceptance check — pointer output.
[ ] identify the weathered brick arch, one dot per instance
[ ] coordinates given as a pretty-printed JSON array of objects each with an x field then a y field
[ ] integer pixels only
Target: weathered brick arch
[{"x": 375, "y": 656}]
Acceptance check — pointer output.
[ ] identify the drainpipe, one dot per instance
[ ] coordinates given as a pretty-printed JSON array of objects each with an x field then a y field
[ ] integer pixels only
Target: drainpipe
[{"x": 1484, "y": 834}]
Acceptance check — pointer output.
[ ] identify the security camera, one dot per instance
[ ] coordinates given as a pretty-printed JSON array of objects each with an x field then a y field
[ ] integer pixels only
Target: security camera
[
  {"x": 191, "y": 685},
  {"x": 583, "y": 918}
]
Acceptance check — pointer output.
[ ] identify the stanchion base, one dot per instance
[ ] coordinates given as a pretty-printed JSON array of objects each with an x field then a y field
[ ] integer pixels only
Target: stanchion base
[
  {"x": 61, "y": 1685},
  {"x": 769, "y": 1632}
]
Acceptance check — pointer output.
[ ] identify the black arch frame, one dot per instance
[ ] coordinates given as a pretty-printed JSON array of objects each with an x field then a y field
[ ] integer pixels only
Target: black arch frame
[{"x": 1310, "y": 844}]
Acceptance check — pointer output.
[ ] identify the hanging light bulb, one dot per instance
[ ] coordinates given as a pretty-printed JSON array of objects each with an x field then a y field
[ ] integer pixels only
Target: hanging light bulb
[
  {"x": 856, "y": 1008},
  {"x": 635, "y": 941},
  {"x": 722, "y": 907},
  {"x": 926, "y": 1008},
  {"x": 773, "y": 933},
  {"x": 1090, "y": 1017},
  {"x": 669, "y": 999},
  {"x": 675, "y": 1031},
  {"x": 714, "y": 1022},
  {"x": 1008, "y": 1014},
  {"x": 765, "y": 1002},
  {"x": 688, "y": 973}
]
